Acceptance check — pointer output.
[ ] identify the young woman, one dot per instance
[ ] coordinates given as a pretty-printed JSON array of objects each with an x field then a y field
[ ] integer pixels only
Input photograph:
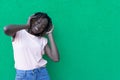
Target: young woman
[{"x": 29, "y": 45}]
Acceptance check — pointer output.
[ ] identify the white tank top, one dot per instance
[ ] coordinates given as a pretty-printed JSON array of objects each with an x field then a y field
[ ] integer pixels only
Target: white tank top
[{"x": 28, "y": 50}]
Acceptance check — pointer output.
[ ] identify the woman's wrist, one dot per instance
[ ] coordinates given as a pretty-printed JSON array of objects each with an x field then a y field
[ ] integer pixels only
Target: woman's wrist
[{"x": 49, "y": 34}]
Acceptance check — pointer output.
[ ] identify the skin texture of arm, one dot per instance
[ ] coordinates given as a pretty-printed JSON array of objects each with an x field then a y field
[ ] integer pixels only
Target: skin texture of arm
[
  {"x": 52, "y": 51},
  {"x": 11, "y": 30}
]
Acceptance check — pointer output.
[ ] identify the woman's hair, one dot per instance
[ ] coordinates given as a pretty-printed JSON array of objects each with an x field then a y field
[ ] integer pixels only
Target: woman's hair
[{"x": 41, "y": 15}]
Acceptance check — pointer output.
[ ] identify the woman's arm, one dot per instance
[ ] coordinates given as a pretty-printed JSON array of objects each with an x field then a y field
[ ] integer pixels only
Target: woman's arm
[
  {"x": 52, "y": 51},
  {"x": 11, "y": 30}
]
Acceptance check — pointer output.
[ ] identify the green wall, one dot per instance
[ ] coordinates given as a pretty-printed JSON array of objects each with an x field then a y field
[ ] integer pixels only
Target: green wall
[{"x": 87, "y": 33}]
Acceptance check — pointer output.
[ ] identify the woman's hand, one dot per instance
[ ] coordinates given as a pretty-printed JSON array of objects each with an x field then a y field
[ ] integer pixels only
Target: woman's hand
[{"x": 50, "y": 31}]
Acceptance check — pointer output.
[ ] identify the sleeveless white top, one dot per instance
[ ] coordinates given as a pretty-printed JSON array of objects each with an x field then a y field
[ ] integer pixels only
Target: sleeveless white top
[{"x": 28, "y": 50}]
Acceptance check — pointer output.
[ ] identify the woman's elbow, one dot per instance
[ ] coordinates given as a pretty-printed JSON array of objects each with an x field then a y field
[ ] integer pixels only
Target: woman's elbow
[
  {"x": 6, "y": 30},
  {"x": 56, "y": 59}
]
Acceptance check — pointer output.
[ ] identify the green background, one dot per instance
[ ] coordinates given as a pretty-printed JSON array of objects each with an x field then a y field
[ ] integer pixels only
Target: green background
[{"x": 87, "y": 34}]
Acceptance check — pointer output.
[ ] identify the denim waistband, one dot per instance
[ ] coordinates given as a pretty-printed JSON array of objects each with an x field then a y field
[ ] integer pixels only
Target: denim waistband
[{"x": 29, "y": 71}]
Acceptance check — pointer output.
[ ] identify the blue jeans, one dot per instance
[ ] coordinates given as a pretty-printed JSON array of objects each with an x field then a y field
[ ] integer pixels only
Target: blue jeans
[{"x": 35, "y": 74}]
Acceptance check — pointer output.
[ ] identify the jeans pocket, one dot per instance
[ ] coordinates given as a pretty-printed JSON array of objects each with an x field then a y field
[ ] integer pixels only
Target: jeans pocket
[
  {"x": 20, "y": 75},
  {"x": 44, "y": 74}
]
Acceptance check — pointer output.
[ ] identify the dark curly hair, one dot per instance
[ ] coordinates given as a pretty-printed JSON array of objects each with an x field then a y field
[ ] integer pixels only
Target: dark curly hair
[{"x": 38, "y": 15}]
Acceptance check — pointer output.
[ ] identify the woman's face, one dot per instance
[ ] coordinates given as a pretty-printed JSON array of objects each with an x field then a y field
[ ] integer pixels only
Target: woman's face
[{"x": 39, "y": 25}]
